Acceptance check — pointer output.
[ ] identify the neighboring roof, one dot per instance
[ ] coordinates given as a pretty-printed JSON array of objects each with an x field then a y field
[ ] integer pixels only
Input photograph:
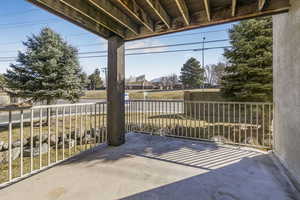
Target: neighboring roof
[
  {"x": 156, "y": 80},
  {"x": 135, "y": 19},
  {"x": 159, "y": 80},
  {"x": 139, "y": 83}
]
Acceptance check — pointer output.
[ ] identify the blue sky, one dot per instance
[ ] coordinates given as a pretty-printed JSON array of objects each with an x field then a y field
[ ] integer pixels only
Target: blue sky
[{"x": 20, "y": 19}]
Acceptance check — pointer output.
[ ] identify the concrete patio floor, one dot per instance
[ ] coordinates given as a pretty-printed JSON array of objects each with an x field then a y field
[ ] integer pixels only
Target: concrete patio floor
[{"x": 155, "y": 167}]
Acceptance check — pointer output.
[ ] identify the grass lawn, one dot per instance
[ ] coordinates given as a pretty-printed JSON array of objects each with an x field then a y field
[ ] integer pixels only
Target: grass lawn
[{"x": 139, "y": 94}]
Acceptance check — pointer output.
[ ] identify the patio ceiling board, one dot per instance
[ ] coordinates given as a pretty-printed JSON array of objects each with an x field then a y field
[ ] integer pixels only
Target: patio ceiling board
[
  {"x": 115, "y": 13},
  {"x": 183, "y": 10},
  {"x": 91, "y": 12},
  {"x": 261, "y": 4},
  {"x": 160, "y": 11},
  {"x": 72, "y": 16},
  {"x": 135, "y": 12},
  {"x": 233, "y": 7},
  {"x": 207, "y": 9},
  {"x": 136, "y": 19}
]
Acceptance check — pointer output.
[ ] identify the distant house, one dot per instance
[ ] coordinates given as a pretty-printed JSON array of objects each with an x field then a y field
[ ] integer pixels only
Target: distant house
[
  {"x": 139, "y": 85},
  {"x": 164, "y": 83}
]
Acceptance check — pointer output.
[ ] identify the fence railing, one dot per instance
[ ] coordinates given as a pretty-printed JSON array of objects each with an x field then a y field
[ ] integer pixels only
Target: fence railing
[
  {"x": 32, "y": 139},
  {"x": 238, "y": 123}
]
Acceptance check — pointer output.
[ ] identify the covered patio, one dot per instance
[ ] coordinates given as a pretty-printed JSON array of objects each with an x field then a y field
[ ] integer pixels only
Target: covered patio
[
  {"x": 155, "y": 167},
  {"x": 139, "y": 166}
]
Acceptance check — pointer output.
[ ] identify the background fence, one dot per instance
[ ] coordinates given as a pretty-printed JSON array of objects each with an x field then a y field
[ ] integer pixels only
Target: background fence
[{"x": 240, "y": 123}]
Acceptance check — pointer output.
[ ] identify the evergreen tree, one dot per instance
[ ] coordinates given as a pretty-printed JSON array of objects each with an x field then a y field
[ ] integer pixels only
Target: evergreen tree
[
  {"x": 192, "y": 75},
  {"x": 47, "y": 70},
  {"x": 95, "y": 80},
  {"x": 2, "y": 81},
  {"x": 84, "y": 80},
  {"x": 249, "y": 74}
]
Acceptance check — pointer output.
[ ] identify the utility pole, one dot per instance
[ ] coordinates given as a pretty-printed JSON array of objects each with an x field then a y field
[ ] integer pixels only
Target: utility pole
[
  {"x": 203, "y": 64},
  {"x": 104, "y": 70},
  {"x": 203, "y": 52}
]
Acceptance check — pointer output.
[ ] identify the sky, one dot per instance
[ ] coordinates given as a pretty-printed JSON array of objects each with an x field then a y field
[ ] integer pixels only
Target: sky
[{"x": 20, "y": 19}]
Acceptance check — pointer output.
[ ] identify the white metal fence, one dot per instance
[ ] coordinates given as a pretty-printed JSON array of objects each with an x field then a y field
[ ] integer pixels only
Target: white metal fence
[
  {"x": 35, "y": 138},
  {"x": 238, "y": 123},
  {"x": 32, "y": 139}
]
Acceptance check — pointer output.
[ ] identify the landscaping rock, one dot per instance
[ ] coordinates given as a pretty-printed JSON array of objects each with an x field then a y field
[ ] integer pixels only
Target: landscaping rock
[
  {"x": 1, "y": 145},
  {"x": 5, "y": 147},
  {"x": 251, "y": 141},
  {"x": 268, "y": 141},
  {"x": 74, "y": 135},
  {"x": 15, "y": 153},
  {"x": 18, "y": 143},
  {"x": 36, "y": 150},
  {"x": 68, "y": 142},
  {"x": 53, "y": 140},
  {"x": 36, "y": 139},
  {"x": 79, "y": 136},
  {"x": 87, "y": 138},
  {"x": 221, "y": 139}
]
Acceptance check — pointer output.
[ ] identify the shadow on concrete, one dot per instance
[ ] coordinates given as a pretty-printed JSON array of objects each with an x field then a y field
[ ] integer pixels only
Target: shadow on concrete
[
  {"x": 160, "y": 168},
  {"x": 239, "y": 181},
  {"x": 226, "y": 173},
  {"x": 152, "y": 146}
]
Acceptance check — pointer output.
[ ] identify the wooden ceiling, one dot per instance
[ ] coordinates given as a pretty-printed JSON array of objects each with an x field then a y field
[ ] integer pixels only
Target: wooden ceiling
[{"x": 136, "y": 19}]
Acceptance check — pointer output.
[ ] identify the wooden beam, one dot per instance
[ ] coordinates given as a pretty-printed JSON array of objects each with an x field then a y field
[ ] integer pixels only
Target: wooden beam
[
  {"x": 116, "y": 91},
  {"x": 261, "y": 4},
  {"x": 159, "y": 11},
  {"x": 90, "y": 18},
  {"x": 92, "y": 13},
  {"x": 233, "y": 7},
  {"x": 111, "y": 10},
  {"x": 207, "y": 9},
  {"x": 245, "y": 11},
  {"x": 183, "y": 10},
  {"x": 136, "y": 12},
  {"x": 72, "y": 16}
]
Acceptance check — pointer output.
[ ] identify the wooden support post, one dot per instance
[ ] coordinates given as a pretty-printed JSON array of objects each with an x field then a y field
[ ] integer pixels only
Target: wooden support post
[{"x": 115, "y": 91}]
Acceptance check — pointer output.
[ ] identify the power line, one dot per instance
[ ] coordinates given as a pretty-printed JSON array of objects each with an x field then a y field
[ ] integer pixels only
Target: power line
[
  {"x": 146, "y": 53},
  {"x": 159, "y": 52},
  {"x": 12, "y": 14},
  {"x": 7, "y": 57},
  {"x": 7, "y": 60},
  {"x": 97, "y": 44},
  {"x": 161, "y": 46},
  {"x": 143, "y": 48},
  {"x": 29, "y": 23},
  {"x": 198, "y": 33},
  {"x": 83, "y": 45},
  {"x": 92, "y": 44}
]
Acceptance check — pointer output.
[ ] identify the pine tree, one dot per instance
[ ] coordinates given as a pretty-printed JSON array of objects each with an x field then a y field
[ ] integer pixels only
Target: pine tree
[
  {"x": 47, "y": 70},
  {"x": 249, "y": 74},
  {"x": 95, "y": 80},
  {"x": 2, "y": 81},
  {"x": 84, "y": 80},
  {"x": 192, "y": 75}
]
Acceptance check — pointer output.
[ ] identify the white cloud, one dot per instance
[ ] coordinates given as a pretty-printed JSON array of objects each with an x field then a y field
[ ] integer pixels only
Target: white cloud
[{"x": 146, "y": 43}]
